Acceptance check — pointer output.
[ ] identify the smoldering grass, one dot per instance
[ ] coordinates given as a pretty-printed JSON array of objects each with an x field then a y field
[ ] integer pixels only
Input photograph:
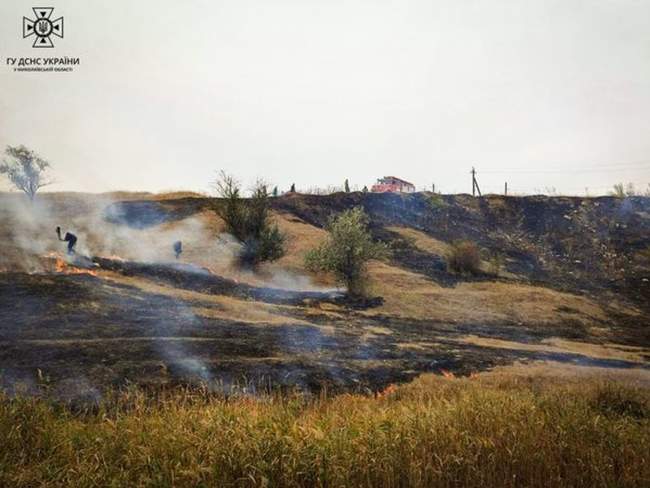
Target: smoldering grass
[
  {"x": 433, "y": 432},
  {"x": 102, "y": 233}
]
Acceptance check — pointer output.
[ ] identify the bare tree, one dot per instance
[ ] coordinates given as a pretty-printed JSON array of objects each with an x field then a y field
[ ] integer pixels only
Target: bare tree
[{"x": 25, "y": 170}]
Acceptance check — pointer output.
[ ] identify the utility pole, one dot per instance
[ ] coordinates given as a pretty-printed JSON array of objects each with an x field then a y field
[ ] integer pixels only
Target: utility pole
[
  {"x": 475, "y": 187},
  {"x": 506, "y": 189},
  {"x": 433, "y": 187}
]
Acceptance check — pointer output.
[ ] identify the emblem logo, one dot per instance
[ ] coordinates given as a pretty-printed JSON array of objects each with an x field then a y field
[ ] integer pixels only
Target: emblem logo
[{"x": 42, "y": 27}]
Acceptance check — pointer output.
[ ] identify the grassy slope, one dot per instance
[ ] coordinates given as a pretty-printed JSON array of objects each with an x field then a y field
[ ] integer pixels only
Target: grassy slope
[
  {"x": 409, "y": 294},
  {"x": 506, "y": 308},
  {"x": 514, "y": 427}
]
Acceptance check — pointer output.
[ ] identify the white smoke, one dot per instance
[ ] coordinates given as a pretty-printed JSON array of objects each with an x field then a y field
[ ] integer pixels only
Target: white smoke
[
  {"x": 146, "y": 234},
  {"x": 31, "y": 232}
]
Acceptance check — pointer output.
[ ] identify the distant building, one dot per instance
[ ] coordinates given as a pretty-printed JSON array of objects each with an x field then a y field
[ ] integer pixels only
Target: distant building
[{"x": 392, "y": 184}]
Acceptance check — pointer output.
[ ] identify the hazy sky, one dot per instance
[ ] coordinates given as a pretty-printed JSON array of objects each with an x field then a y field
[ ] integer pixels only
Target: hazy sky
[{"x": 541, "y": 93}]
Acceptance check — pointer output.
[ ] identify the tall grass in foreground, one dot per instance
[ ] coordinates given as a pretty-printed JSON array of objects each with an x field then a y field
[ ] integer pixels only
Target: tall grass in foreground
[{"x": 434, "y": 432}]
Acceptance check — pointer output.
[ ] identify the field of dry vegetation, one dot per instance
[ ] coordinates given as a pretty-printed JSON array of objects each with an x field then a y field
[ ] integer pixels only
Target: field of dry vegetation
[
  {"x": 435, "y": 432},
  {"x": 126, "y": 367}
]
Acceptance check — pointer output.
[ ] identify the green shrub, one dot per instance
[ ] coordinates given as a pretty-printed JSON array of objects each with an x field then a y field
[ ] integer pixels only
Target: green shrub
[
  {"x": 347, "y": 250},
  {"x": 248, "y": 220}
]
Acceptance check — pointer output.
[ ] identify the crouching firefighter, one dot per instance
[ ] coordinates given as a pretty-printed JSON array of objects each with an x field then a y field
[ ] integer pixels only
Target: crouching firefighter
[{"x": 70, "y": 238}]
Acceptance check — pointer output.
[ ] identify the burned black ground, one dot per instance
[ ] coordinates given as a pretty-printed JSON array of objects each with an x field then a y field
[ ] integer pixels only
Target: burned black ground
[
  {"x": 79, "y": 328},
  {"x": 59, "y": 330}
]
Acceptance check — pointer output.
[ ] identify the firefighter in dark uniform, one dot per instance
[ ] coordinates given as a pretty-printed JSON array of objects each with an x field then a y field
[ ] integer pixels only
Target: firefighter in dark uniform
[
  {"x": 70, "y": 238},
  {"x": 178, "y": 248}
]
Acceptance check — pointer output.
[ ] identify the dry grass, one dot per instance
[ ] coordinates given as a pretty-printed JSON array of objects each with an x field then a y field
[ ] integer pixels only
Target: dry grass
[
  {"x": 562, "y": 372},
  {"x": 230, "y": 308},
  {"x": 557, "y": 345},
  {"x": 464, "y": 257},
  {"x": 176, "y": 194},
  {"x": 435, "y": 432},
  {"x": 302, "y": 237},
  {"x": 409, "y": 294},
  {"x": 422, "y": 241},
  {"x": 406, "y": 294},
  {"x": 502, "y": 429},
  {"x": 431, "y": 245},
  {"x": 210, "y": 305}
]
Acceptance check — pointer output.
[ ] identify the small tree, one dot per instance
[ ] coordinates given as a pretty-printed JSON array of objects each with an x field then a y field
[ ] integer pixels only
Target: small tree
[
  {"x": 347, "y": 186},
  {"x": 365, "y": 189},
  {"x": 275, "y": 191},
  {"x": 25, "y": 170},
  {"x": 347, "y": 250},
  {"x": 248, "y": 221}
]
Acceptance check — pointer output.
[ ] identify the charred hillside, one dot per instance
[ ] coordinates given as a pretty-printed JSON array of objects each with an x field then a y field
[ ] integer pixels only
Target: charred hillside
[
  {"x": 571, "y": 287},
  {"x": 564, "y": 242},
  {"x": 572, "y": 243}
]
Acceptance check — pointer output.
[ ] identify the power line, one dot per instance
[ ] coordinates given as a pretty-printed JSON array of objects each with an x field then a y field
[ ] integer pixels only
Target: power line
[
  {"x": 605, "y": 168},
  {"x": 576, "y": 171}
]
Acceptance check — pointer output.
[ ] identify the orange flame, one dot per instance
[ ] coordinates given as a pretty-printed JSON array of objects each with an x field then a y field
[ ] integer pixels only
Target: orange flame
[
  {"x": 114, "y": 257},
  {"x": 447, "y": 374},
  {"x": 59, "y": 265},
  {"x": 62, "y": 267},
  {"x": 389, "y": 390}
]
